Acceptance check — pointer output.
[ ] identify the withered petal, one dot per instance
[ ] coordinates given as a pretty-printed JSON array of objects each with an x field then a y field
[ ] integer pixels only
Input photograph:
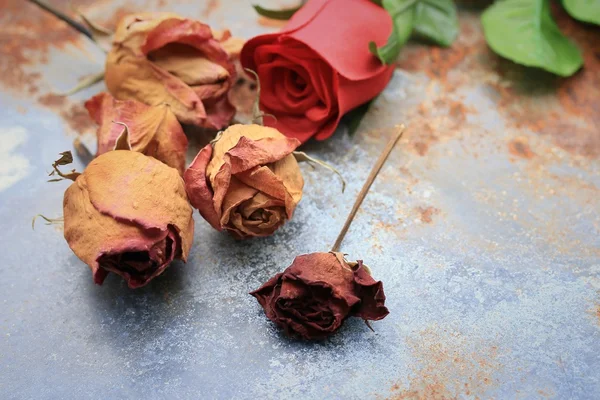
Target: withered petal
[
  {"x": 277, "y": 147},
  {"x": 185, "y": 31},
  {"x": 372, "y": 298},
  {"x": 263, "y": 179},
  {"x": 130, "y": 186},
  {"x": 249, "y": 153},
  {"x": 137, "y": 78},
  {"x": 237, "y": 193},
  {"x": 198, "y": 188},
  {"x": 153, "y": 131},
  {"x": 92, "y": 234}
]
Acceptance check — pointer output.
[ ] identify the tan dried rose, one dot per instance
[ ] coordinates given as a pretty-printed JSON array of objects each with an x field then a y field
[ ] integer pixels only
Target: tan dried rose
[
  {"x": 153, "y": 130},
  {"x": 128, "y": 214},
  {"x": 164, "y": 58},
  {"x": 247, "y": 181}
]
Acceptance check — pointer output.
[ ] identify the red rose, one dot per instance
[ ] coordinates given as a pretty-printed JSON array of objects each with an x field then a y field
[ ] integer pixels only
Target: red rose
[
  {"x": 319, "y": 66},
  {"x": 313, "y": 296}
]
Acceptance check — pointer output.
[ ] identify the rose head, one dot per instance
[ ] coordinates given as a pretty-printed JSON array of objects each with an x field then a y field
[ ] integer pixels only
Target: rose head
[
  {"x": 313, "y": 296},
  {"x": 247, "y": 181},
  {"x": 163, "y": 58},
  {"x": 153, "y": 130},
  {"x": 128, "y": 214},
  {"x": 319, "y": 66}
]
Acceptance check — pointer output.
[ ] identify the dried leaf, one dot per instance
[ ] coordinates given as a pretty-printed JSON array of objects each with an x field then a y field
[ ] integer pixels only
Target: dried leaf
[
  {"x": 84, "y": 83},
  {"x": 66, "y": 157},
  {"x": 49, "y": 221}
]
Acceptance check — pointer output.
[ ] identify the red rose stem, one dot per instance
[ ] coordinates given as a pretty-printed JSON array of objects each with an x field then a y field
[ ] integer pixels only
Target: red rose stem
[{"x": 365, "y": 189}]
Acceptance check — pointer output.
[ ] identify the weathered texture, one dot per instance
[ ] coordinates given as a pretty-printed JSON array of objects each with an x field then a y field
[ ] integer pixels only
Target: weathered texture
[{"x": 495, "y": 297}]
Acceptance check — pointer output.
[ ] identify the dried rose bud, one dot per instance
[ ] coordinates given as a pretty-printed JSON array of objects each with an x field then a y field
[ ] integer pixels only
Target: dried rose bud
[
  {"x": 153, "y": 130},
  {"x": 247, "y": 181},
  {"x": 313, "y": 296},
  {"x": 128, "y": 214},
  {"x": 164, "y": 58}
]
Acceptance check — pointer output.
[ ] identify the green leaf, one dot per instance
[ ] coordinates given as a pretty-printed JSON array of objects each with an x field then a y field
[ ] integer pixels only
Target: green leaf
[
  {"x": 282, "y": 15},
  {"x": 402, "y": 13},
  {"x": 523, "y": 31},
  {"x": 584, "y": 10},
  {"x": 436, "y": 20}
]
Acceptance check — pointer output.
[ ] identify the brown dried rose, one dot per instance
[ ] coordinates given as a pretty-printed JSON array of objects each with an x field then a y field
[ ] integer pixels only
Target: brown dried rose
[
  {"x": 247, "y": 181},
  {"x": 313, "y": 296},
  {"x": 128, "y": 214},
  {"x": 153, "y": 130},
  {"x": 164, "y": 58}
]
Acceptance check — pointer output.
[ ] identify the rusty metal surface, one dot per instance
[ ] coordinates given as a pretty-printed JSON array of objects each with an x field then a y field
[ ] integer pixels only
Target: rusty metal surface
[{"x": 484, "y": 226}]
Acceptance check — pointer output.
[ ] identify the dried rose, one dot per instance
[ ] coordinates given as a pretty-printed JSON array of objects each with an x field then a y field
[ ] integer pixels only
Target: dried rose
[
  {"x": 247, "y": 181},
  {"x": 153, "y": 130},
  {"x": 128, "y": 214},
  {"x": 164, "y": 58},
  {"x": 313, "y": 296}
]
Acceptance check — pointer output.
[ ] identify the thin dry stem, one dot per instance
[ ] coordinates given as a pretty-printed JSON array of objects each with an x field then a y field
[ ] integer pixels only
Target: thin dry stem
[
  {"x": 257, "y": 114},
  {"x": 365, "y": 189}
]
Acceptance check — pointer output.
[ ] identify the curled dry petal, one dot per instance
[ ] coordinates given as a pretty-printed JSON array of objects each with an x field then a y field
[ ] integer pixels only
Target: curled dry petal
[
  {"x": 153, "y": 130},
  {"x": 313, "y": 296},
  {"x": 128, "y": 214},
  {"x": 247, "y": 182},
  {"x": 164, "y": 58}
]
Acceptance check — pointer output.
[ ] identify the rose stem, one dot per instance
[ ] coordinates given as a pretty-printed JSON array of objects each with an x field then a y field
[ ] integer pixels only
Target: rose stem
[
  {"x": 363, "y": 192},
  {"x": 63, "y": 17}
]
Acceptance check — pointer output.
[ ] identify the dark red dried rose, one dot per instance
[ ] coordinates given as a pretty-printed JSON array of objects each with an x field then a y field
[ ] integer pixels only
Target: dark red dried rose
[{"x": 313, "y": 296}]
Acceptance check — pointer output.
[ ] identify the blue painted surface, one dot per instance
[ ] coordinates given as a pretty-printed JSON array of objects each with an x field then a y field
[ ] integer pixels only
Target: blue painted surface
[{"x": 495, "y": 297}]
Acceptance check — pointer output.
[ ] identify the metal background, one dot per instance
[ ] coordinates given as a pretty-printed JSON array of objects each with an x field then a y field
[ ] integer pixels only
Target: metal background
[{"x": 483, "y": 225}]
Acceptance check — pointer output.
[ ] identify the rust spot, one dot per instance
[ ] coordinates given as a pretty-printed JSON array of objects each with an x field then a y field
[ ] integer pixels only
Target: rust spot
[
  {"x": 421, "y": 148},
  {"x": 427, "y": 214},
  {"x": 74, "y": 114},
  {"x": 26, "y": 37},
  {"x": 446, "y": 64},
  {"x": 52, "y": 100},
  {"x": 78, "y": 119},
  {"x": 566, "y": 111},
  {"x": 211, "y": 6},
  {"x": 448, "y": 365},
  {"x": 540, "y": 103},
  {"x": 520, "y": 147},
  {"x": 546, "y": 393}
]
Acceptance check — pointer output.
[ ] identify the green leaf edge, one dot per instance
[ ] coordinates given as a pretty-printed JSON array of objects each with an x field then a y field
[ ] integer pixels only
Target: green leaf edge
[
  {"x": 589, "y": 18},
  {"x": 485, "y": 15},
  {"x": 417, "y": 32},
  {"x": 281, "y": 15}
]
